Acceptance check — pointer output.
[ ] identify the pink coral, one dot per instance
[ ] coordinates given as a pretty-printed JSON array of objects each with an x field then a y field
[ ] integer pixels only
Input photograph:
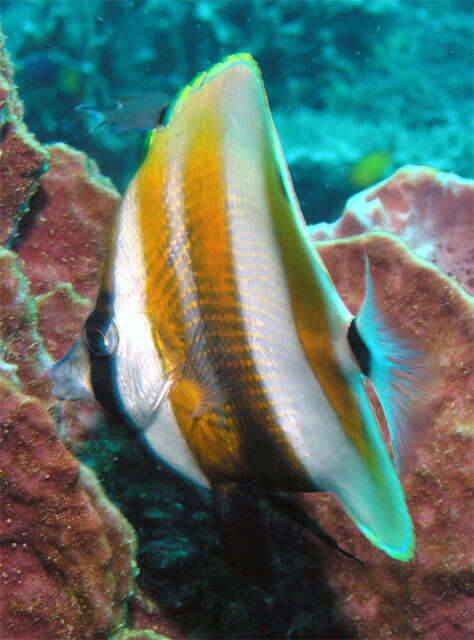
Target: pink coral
[
  {"x": 22, "y": 159},
  {"x": 65, "y": 237},
  {"x": 429, "y": 597},
  {"x": 67, "y": 554},
  {"x": 432, "y": 211}
]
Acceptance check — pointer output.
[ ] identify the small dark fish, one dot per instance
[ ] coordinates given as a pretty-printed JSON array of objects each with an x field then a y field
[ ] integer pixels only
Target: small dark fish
[{"x": 137, "y": 112}]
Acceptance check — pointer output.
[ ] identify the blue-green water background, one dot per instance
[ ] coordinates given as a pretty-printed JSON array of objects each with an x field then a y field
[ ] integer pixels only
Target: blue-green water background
[{"x": 344, "y": 77}]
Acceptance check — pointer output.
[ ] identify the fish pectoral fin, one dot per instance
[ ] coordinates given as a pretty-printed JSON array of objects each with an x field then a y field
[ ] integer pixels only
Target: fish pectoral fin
[
  {"x": 198, "y": 390},
  {"x": 243, "y": 532},
  {"x": 209, "y": 376},
  {"x": 402, "y": 374},
  {"x": 292, "y": 510}
]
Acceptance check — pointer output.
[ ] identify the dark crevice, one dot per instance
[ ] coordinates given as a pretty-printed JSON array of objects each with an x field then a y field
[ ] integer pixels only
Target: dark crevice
[
  {"x": 26, "y": 223},
  {"x": 4, "y": 131}
]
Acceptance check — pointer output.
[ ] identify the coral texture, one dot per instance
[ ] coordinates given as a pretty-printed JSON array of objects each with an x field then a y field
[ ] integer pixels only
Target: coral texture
[
  {"x": 430, "y": 596},
  {"x": 67, "y": 554},
  {"x": 22, "y": 159},
  {"x": 64, "y": 239},
  {"x": 432, "y": 211}
]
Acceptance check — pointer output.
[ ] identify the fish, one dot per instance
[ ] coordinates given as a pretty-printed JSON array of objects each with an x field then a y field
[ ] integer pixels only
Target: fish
[
  {"x": 135, "y": 112},
  {"x": 220, "y": 336},
  {"x": 370, "y": 168}
]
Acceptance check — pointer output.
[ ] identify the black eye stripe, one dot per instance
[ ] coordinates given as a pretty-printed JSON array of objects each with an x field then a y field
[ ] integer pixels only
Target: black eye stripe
[{"x": 101, "y": 338}]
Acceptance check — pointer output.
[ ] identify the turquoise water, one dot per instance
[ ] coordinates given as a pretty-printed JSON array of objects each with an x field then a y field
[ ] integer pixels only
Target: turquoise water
[{"x": 345, "y": 78}]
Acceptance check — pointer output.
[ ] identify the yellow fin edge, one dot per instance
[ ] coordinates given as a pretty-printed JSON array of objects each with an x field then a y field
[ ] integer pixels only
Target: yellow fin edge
[{"x": 203, "y": 78}]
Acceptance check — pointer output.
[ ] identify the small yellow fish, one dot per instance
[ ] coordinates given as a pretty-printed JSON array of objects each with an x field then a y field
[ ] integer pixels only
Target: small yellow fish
[
  {"x": 370, "y": 168},
  {"x": 219, "y": 334}
]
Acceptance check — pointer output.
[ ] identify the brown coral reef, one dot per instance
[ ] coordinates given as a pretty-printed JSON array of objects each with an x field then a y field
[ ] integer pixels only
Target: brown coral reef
[
  {"x": 432, "y": 211},
  {"x": 67, "y": 554},
  {"x": 430, "y": 597}
]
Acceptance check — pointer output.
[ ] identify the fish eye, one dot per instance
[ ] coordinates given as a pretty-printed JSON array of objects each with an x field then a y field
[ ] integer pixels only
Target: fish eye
[{"x": 100, "y": 334}]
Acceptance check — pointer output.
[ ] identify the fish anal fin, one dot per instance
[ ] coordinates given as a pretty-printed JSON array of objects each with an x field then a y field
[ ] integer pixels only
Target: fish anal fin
[
  {"x": 243, "y": 532},
  {"x": 401, "y": 372},
  {"x": 296, "y": 513}
]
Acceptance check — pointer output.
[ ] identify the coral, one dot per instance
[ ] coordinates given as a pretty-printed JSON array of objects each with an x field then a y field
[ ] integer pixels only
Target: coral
[
  {"x": 430, "y": 210},
  {"x": 430, "y": 596},
  {"x": 144, "y": 614},
  {"x": 73, "y": 208},
  {"x": 22, "y": 159},
  {"x": 21, "y": 349},
  {"x": 67, "y": 553}
]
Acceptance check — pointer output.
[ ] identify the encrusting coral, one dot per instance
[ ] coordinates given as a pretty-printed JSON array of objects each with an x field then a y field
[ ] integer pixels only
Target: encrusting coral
[
  {"x": 432, "y": 211},
  {"x": 433, "y": 590},
  {"x": 22, "y": 160},
  {"x": 68, "y": 555}
]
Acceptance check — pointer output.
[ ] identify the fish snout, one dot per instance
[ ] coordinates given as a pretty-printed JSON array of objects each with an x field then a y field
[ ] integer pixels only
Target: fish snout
[
  {"x": 71, "y": 375},
  {"x": 61, "y": 375}
]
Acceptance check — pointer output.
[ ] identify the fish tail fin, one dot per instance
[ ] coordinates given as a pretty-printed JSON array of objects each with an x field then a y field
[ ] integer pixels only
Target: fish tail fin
[
  {"x": 99, "y": 117},
  {"x": 402, "y": 374}
]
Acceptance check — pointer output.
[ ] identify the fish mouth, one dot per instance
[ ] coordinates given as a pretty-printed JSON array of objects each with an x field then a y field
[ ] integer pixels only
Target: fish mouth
[{"x": 71, "y": 375}]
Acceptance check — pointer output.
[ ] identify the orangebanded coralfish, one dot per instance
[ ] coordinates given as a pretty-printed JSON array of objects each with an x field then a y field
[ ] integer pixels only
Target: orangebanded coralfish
[{"x": 219, "y": 334}]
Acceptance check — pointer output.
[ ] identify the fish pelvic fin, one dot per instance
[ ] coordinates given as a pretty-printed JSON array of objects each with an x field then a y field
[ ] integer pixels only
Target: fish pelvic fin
[
  {"x": 243, "y": 531},
  {"x": 402, "y": 374}
]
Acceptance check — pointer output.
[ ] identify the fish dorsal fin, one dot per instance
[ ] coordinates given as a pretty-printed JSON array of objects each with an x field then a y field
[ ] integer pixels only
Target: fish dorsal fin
[{"x": 401, "y": 373}]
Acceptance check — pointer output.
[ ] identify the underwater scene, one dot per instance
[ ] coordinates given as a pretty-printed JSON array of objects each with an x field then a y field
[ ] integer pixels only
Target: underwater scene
[{"x": 236, "y": 319}]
